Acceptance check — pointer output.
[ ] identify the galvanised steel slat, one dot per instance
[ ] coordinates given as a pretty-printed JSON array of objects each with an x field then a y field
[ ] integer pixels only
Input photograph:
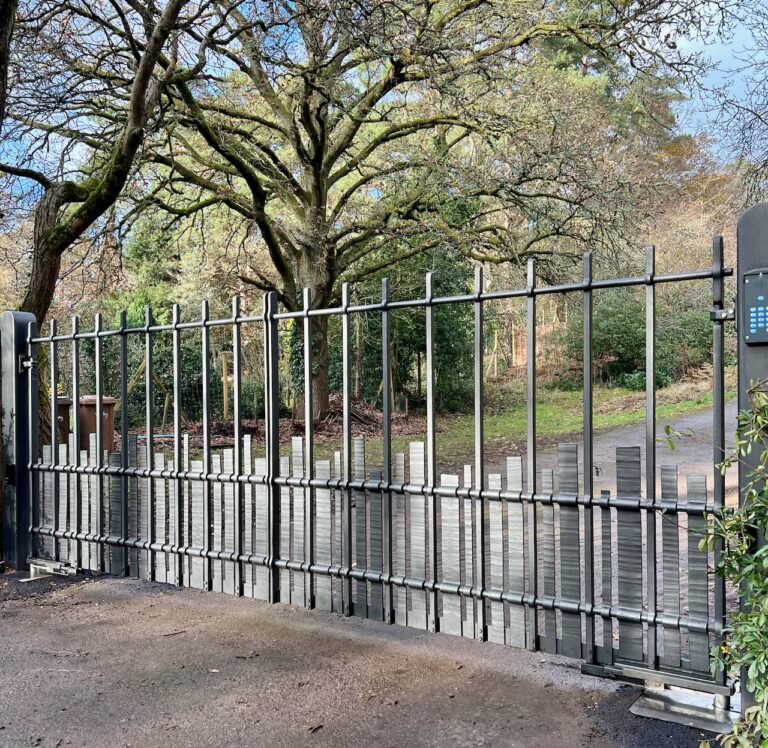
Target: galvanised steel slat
[
  {"x": 296, "y": 535},
  {"x": 530, "y": 399},
  {"x": 671, "y": 566},
  {"x": 322, "y": 591},
  {"x": 359, "y": 499},
  {"x": 337, "y": 551},
  {"x": 228, "y": 518},
  {"x": 516, "y": 543},
  {"x": 248, "y": 571},
  {"x": 240, "y": 490},
  {"x": 385, "y": 497},
  {"x": 217, "y": 499},
  {"x": 467, "y": 513},
  {"x": 262, "y": 531},
  {"x": 433, "y": 502},
  {"x": 629, "y": 552},
  {"x": 309, "y": 454},
  {"x": 149, "y": 444},
  {"x": 603, "y": 501},
  {"x": 546, "y": 562},
  {"x": 495, "y": 563},
  {"x": 403, "y": 540},
  {"x": 48, "y": 546},
  {"x": 419, "y": 602},
  {"x": 346, "y": 439},
  {"x": 140, "y": 512},
  {"x": 75, "y": 437},
  {"x": 698, "y": 574},
  {"x": 480, "y": 527},
  {"x": 160, "y": 528},
  {"x": 450, "y": 621},
  {"x": 375, "y": 560},
  {"x": 588, "y": 427},
  {"x": 113, "y": 518},
  {"x": 570, "y": 546},
  {"x": 650, "y": 448}
]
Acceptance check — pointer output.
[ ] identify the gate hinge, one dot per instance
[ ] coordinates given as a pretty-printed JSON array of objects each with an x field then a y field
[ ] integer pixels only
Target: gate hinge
[
  {"x": 722, "y": 315},
  {"x": 26, "y": 363}
]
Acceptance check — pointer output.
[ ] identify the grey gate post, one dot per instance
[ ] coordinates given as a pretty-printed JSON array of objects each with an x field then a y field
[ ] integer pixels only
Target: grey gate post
[
  {"x": 19, "y": 404},
  {"x": 752, "y": 267}
]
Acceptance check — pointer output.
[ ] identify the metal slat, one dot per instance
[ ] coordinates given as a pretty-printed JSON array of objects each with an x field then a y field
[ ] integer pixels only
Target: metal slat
[
  {"x": 546, "y": 562},
  {"x": 629, "y": 552},
  {"x": 418, "y": 532},
  {"x": 516, "y": 544},
  {"x": 670, "y": 556},
  {"x": 359, "y": 500},
  {"x": 451, "y": 619},
  {"x": 698, "y": 592},
  {"x": 570, "y": 547},
  {"x": 495, "y": 562},
  {"x": 323, "y": 537}
]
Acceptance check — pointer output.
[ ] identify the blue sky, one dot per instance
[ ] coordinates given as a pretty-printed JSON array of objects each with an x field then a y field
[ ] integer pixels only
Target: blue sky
[{"x": 728, "y": 56}]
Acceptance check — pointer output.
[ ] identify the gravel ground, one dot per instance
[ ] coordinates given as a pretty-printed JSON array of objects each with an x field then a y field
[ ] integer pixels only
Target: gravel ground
[{"x": 104, "y": 661}]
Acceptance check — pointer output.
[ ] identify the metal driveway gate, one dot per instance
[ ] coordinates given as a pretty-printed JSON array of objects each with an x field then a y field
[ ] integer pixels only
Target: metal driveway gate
[{"x": 529, "y": 557}]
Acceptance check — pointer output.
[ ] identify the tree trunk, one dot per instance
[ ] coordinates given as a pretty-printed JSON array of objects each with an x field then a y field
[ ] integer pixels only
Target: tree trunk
[
  {"x": 7, "y": 18},
  {"x": 320, "y": 391}
]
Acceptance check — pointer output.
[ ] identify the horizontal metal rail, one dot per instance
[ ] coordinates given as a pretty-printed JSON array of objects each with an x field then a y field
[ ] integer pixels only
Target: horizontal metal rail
[
  {"x": 413, "y": 489},
  {"x": 581, "y": 287},
  {"x": 451, "y": 588}
]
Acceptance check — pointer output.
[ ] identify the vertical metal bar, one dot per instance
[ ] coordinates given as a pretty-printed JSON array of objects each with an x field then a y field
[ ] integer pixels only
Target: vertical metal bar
[
  {"x": 124, "y": 424},
  {"x": 718, "y": 418},
  {"x": 207, "y": 528},
  {"x": 178, "y": 454},
  {"x": 650, "y": 446},
  {"x": 589, "y": 547},
  {"x": 309, "y": 455},
  {"x": 76, "y": 436},
  {"x": 150, "y": 439},
  {"x": 32, "y": 406},
  {"x": 531, "y": 452},
  {"x": 386, "y": 427},
  {"x": 99, "y": 376},
  {"x": 237, "y": 415},
  {"x": 346, "y": 519},
  {"x": 434, "y": 621},
  {"x": 482, "y": 632},
  {"x": 53, "y": 370},
  {"x": 272, "y": 433}
]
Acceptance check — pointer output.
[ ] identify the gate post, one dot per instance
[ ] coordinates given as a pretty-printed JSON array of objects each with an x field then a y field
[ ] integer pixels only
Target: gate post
[
  {"x": 19, "y": 404},
  {"x": 752, "y": 267}
]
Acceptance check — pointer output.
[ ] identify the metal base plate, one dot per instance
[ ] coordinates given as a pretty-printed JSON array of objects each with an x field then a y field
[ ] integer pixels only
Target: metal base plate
[
  {"x": 684, "y": 708},
  {"x": 44, "y": 568}
]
